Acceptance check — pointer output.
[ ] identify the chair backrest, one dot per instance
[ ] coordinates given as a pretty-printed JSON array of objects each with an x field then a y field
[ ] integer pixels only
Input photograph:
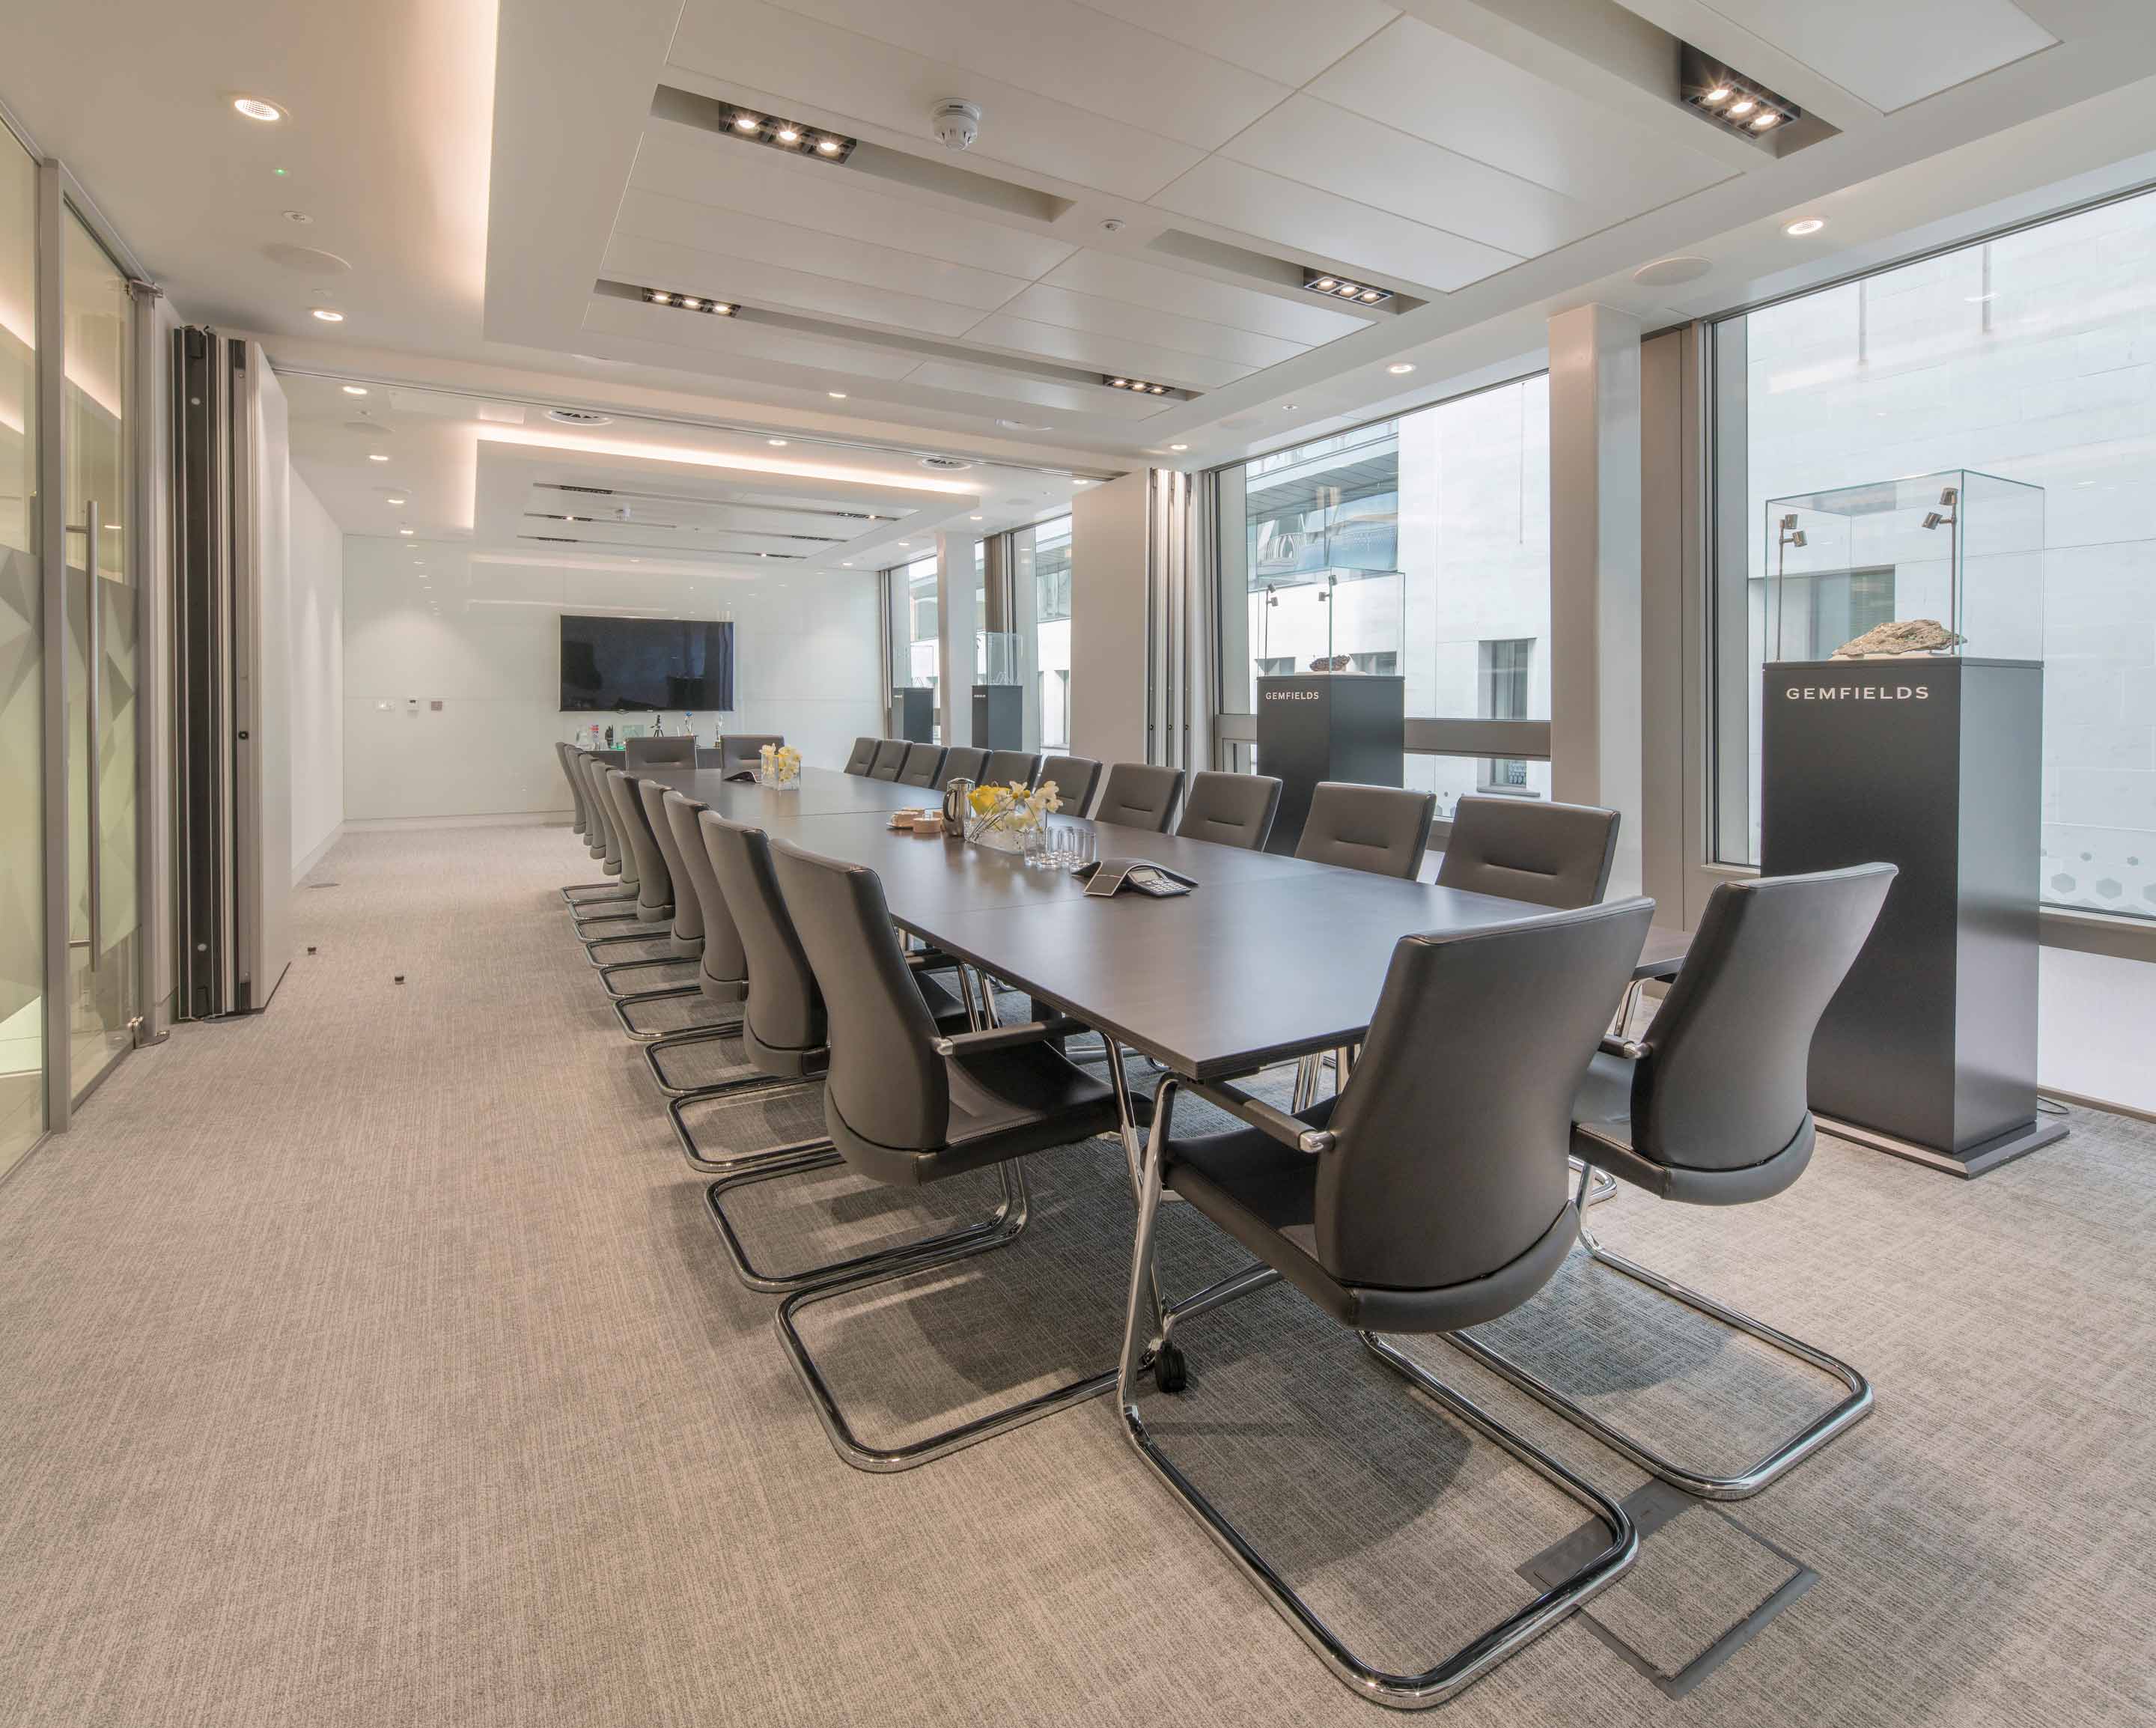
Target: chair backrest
[
  {"x": 741, "y": 750},
  {"x": 1075, "y": 776},
  {"x": 594, "y": 770},
  {"x": 784, "y": 1009},
  {"x": 923, "y": 761},
  {"x": 885, "y": 1081},
  {"x": 1521, "y": 849},
  {"x": 1234, "y": 810},
  {"x": 653, "y": 887},
  {"x": 577, "y": 822},
  {"x": 1140, "y": 795},
  {"x": 889, "y": 758},
  {"x": 1004, "y": 767},
  {"x": 725, "y": 961},
  {"x": 1379, "y": 828},
  {"x": 677, "y": 752},
  {"x": 1452, "y": 1131},
  {"x": 961, "y": 762},
  {"x": 864, "y": 754},
  {"x": 1724, "y": 1083},
  {"x": 688, "y": 909}
]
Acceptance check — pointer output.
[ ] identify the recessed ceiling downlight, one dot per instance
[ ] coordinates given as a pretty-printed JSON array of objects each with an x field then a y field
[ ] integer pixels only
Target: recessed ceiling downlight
[
  {"x": 254, "y": 108},
  {"x": 578, "y": 417},
  {"x": 328, "y": 315}
]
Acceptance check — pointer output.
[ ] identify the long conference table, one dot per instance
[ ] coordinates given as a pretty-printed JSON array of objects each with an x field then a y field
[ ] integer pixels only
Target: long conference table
[{"x": 1268, "y": 958}]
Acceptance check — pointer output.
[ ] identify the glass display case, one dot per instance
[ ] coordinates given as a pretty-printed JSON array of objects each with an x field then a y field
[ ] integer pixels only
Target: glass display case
[
  {"x": 1337, "y": 620},
  {"x": 1962, "y": 548}
]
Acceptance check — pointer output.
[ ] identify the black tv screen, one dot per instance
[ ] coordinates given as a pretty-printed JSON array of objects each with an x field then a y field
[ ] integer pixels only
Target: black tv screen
[{"x": 638, "y": 665}]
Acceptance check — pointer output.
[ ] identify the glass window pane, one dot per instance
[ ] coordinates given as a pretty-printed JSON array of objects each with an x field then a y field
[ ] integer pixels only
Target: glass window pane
[{"x": 2028, "y": 358}]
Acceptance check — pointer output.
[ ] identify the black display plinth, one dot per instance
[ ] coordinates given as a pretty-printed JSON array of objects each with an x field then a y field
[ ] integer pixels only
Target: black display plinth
[
  {"x": 1328, "y": 726},
  {"x": 999, "y": 717},
  {"x": 1929, "y": 1049},
  {"x": 913, "y": 712}
]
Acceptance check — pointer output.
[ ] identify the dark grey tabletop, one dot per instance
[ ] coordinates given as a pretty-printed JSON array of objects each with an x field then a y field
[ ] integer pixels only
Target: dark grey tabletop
[{"x": 1268, "y": 958}]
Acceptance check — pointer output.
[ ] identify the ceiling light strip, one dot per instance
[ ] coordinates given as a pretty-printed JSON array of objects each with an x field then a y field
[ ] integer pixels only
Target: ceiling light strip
[
  {"x": 795, "y": 137},
  {"x": 1338, "y": 287}
]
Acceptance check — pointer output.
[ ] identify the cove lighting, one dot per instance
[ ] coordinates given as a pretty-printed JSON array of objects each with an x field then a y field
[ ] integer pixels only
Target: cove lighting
[
  {"x": 789, "y": 136},
  {"x": 690, "y": 455},
  {"x": 1140, "y": 387},
  {"x": 1341, "y": 288},
  {"x": 689, "y": 303}
]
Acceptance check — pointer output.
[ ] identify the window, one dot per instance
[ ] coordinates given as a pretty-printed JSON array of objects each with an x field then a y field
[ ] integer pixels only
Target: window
[
  {"x": 915, "y": 650},
  {"x": 1502, "y": 677},
  {"x": 2024, "y": 357},
  {"x": 1405, "y": 548},
  {"x": 1039, "y": 559}
]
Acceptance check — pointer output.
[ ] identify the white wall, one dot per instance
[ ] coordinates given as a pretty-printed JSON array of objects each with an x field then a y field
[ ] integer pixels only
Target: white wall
[
  {"x": 480, "y": 635},
  {"x": 316, "y": 724},
  {"x": 1110, "y": 527},
  {"x": 2094, "y": 1017}
]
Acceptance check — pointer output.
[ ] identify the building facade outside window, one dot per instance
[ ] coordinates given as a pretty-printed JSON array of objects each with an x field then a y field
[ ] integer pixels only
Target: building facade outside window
[
  {"x": 2029, "y": 357},
  {"x": 1409, "y": 546}
]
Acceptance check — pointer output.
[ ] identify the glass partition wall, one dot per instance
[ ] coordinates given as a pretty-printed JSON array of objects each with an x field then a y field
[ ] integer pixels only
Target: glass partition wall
[
  {"x": 1417, "y": 547},
  {"x": 915, "y": 645},
  {"x": 71, "y": 948},
  {"x": 2014, "y": 373}
]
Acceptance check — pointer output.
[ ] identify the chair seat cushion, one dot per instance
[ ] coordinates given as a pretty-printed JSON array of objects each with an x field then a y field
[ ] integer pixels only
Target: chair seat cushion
[
  {"x": 1264, "y": 1195},
  {"x": 1602, "y": 1135},
  {"x": 1005, "y": 1103}
]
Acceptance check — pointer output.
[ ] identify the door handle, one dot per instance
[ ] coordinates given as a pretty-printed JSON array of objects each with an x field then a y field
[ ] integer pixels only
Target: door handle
[{"x": 94, "y": 659}]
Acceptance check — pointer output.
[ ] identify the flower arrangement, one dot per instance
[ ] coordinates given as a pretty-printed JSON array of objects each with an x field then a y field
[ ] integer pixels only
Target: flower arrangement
[
  {"x": 1003, "y": 815},
  {"x": 780, "y": 765}
]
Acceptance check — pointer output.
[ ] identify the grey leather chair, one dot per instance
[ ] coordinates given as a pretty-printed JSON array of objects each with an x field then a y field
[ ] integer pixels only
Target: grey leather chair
[
  {"x": 923, "y": 762},
  {"x": 961, "y": 762},
  {"x": 1139, "y": 794},
  {"x": 582, "y": 824},
  {"x": 1710, "y": 1107},
  {"x": 1380, "y": 829},
  {"x": 890, "y": 757},
  {"x": 905, "y": 1104},
  {"x": 1075, "y": 776},
  {"x": 784, "y": 1027},
  {"x": 616, "y": 860},
  {"x": 1234, "y": 810},
  {"x": 677, "y": 752},
  {"x": 1521, "y": 849},
  {"x": 577, "y": 819},
  {"x": 1431, "y": 1194},
  {"x": 738, "y": 750},
  {"x": 1005, "y": 768},
  {"x": 654, "y": 889},
  {"x": 864, "y": 754}
]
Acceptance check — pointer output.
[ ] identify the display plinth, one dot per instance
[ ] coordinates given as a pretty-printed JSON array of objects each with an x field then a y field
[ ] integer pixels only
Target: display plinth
[
  {"x": 1328, "y": 726},
  {"x": 1933, "y": 765},
  {"x": 999, "y": 717},
  {"x": 913, "y": 712}
]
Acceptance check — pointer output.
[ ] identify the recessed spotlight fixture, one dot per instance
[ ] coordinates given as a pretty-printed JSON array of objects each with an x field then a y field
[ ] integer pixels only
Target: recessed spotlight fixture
[
  {"x": 1076, "y": 481},
  {"x": 403, "y": 531},
  {"x": 1179, "y": 446},
  {"x": 396, "y": 501},
  {"x": 375, "y": 456},
  {"x": 1288, "y": 408},
  {"x": 776, "y": 443},
  {"x": 1340, "y": 288},
  {"x": 836, "y": 395},
  {"x": 1138, "y": 387},
  {"x": 813, "y": 142},
  {"x": 355, "y": 389},
  {"x": 845, "y": 564},
  {"x": 688, "y": 302},
  {"x": 328, "y": 315},
  {"x": 1401, "y": 369},
  {"x": 254, "y": 108},
  {"x": 1805, "y": 225},
  {"x": 1733, "y": 102}
]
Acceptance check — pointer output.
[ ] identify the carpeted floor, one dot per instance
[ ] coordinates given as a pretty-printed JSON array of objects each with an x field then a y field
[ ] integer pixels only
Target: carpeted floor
[{"x": 374, "y": 1362}]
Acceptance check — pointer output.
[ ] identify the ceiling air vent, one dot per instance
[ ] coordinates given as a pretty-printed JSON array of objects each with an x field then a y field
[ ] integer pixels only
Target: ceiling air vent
[
  {"x": 595, "y": 491},
  {"x": 578, "y": 417},
  {"x": 945, "y": 465}
]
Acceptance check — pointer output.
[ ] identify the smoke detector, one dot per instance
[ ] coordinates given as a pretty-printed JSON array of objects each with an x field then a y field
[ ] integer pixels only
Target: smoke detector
[
  {"x": 578, "y": 417},
  {"x": 955, "y": 121}
]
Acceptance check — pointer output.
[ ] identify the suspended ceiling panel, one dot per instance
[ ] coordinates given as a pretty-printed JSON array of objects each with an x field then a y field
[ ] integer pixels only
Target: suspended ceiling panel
[
  {"x": 1891, "y": 53},
  {"x": 1283, "y": 39}
]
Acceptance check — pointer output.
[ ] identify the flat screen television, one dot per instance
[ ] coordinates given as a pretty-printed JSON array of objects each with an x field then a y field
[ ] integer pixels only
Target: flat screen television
[{"x": 646, "y": 664}]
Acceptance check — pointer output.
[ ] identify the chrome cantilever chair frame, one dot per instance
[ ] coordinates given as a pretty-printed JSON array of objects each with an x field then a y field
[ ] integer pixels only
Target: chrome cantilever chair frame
[
  {"x": 1446, "y": 1679},
  {"x": 1851, "y": 1409}
]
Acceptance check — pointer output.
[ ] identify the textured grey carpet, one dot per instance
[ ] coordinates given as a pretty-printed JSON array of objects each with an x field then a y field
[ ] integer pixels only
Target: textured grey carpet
[{"x": 374, "y": 1362}]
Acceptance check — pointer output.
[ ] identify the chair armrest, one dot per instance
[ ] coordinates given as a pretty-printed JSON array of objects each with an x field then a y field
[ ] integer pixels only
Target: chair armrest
[
  {"x": 1009, "y": 1038},
  {"x": 1629, "y": 1048},
  {"x": 1289, "y": 1130}
]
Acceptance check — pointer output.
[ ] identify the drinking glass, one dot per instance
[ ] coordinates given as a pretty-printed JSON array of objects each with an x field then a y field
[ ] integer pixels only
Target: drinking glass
[{"x": 1034, "y": 848}]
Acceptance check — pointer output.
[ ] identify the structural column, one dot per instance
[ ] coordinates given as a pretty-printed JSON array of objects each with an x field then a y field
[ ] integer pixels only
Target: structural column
[
  {"x": 955, "y": 624},
  {"x": 1595, "y": 637}
]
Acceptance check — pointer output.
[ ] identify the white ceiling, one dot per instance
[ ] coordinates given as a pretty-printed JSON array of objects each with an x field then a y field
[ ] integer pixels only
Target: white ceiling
[{"x": 1493, "y": 161}]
